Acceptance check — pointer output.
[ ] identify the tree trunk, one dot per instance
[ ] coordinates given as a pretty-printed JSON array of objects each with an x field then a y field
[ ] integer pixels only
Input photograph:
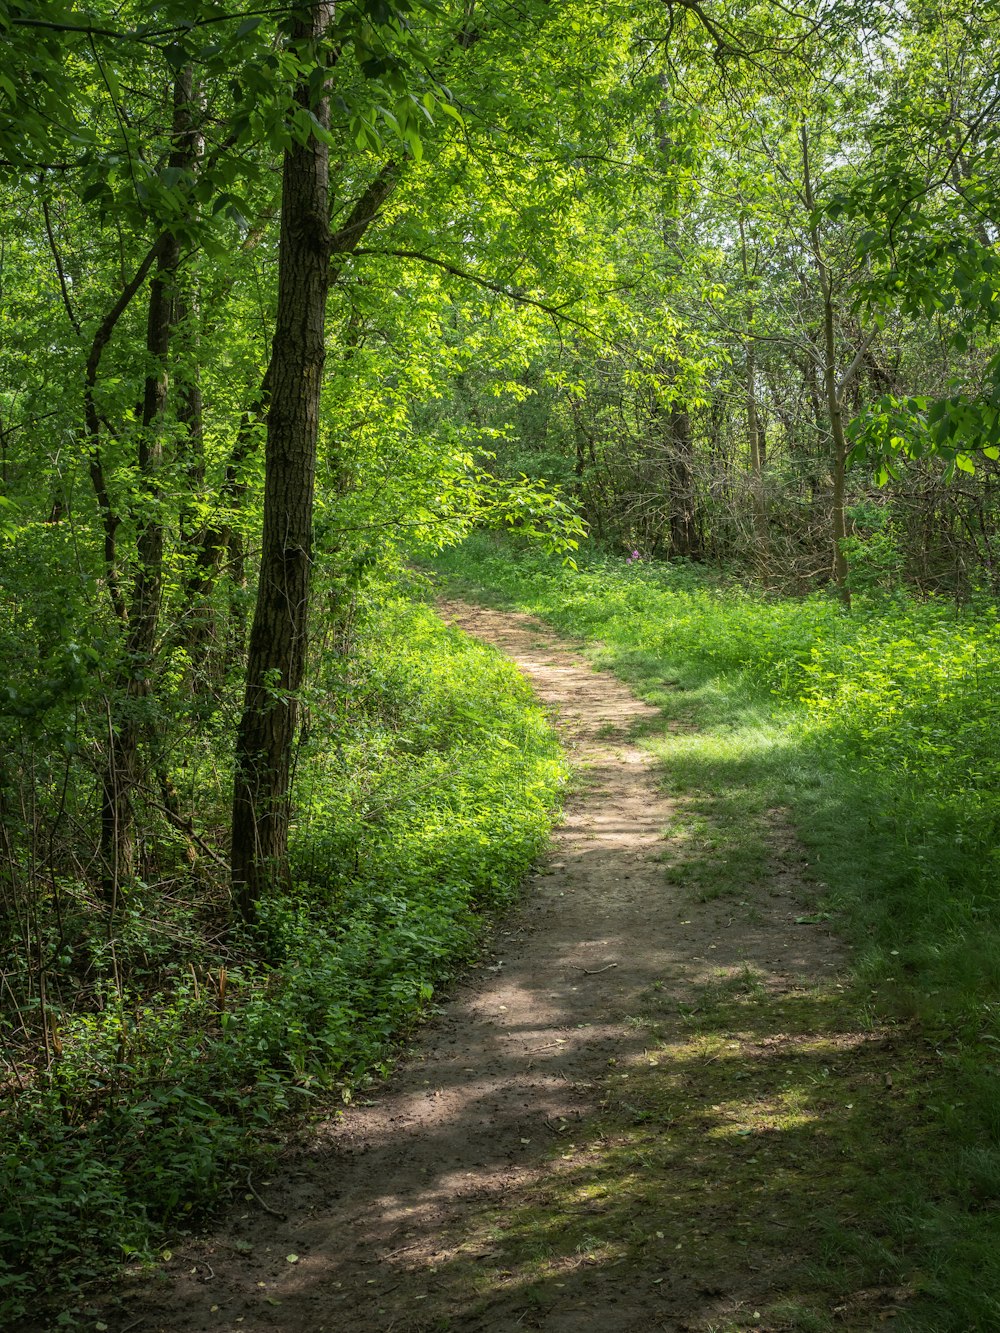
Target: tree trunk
[
  {"x": 755, "y": 433},
  {"x": 834, "y": 399},
  {"x": 123, "y": 770},
  {"x": 675, "y": 434},
  {"x": 755, "y": 436},
  {"x": 684, "y": 534},
  {"x": 279, "y": 635}
]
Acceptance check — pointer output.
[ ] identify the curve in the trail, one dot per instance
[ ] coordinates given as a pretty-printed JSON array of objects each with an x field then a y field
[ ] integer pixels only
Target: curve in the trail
[{"x": 378, "y": 1206}]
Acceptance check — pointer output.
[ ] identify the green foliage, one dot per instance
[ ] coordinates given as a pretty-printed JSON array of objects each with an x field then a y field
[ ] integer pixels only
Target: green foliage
[
  {"x": 956, "y": 429},
  {"x": 922, "y": 203},
  {"x": 874, "y": 557},
  {"x": 426, "y": 790}
]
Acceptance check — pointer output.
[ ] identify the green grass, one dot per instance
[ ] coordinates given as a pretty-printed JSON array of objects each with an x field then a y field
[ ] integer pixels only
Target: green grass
[
  {"x": 876, "y": 732},
  {"x": 425, "y": 791}
]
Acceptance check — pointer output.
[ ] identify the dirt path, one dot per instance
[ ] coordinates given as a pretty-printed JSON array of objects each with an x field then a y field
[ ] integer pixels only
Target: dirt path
[{"x": 416, "y": 1212}]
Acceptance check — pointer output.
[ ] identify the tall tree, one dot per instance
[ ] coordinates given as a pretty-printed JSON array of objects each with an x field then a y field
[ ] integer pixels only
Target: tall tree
[{"x": 279, "y": 635}]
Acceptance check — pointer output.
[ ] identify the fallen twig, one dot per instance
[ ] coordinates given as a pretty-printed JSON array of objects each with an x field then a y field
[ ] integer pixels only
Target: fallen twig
[
  {"x": 391, "y": 1254},
  {"x": 282, "y": 1217}
]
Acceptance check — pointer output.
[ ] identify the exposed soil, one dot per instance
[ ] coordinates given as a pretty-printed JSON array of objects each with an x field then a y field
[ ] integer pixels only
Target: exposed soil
[{"x": 413, "y": 1213}]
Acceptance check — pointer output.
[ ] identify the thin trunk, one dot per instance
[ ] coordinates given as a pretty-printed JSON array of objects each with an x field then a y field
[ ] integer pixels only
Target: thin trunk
[
  {"x": 198, "y": 625},
  {"x": 834, "y": 401},
  {"x": 279, "y": 635},
  {"x": 123, "y": 770},
  {"x": 132, "y": 684},
  {"x": 220, "y": 542},
  {"x": 109, "y": 519},
  {"x": 684, "y": 536},
  {"x": 756, "y": 450},
  {"x": 755, "y": 434},
  {"x": 676, "y": 436}
]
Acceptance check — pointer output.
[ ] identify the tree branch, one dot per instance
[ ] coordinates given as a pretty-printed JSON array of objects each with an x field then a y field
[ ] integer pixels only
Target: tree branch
[
  {"x": 148, "y": 36},
  {"x": 59, "y": 269},
  {"x": 346, "y": 239},
  {"x": 851, "y": 370},
  {"x": 518, "y": 298},
  {"x": 93, "y": 423}
]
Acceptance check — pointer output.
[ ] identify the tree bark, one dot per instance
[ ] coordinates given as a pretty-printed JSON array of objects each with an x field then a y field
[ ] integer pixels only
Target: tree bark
[
  {"x": 123, "y": 770},
  {"x": 279, "y": 635},
  {"x": 684, "y": 534},
  {"x": 834, "y": 398},
  {"x": 755, "y": 433},
  {"x": 675, "y": 423}
]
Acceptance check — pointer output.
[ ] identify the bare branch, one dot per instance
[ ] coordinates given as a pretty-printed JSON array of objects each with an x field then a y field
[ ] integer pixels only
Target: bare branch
[
  {"x": 59, "y": 269},
  {"x": 557, "y": 312}
]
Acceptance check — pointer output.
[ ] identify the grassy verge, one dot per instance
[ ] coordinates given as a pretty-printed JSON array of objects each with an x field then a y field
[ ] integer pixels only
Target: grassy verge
[
  {"x": 876, "y": 732},
  {"x": 426, "y": 788}
]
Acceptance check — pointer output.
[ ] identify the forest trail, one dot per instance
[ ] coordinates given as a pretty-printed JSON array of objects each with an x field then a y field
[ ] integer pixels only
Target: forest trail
[{"x": 455, "y": 1199}]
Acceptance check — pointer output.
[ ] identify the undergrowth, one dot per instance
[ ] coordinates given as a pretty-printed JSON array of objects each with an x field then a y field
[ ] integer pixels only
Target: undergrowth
[
  {"x": 426, "y": 788},
  {"x": 876, "y": 730}
]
